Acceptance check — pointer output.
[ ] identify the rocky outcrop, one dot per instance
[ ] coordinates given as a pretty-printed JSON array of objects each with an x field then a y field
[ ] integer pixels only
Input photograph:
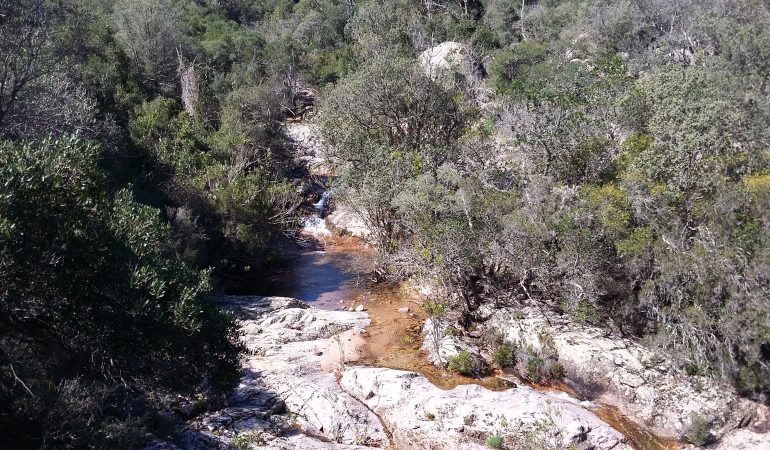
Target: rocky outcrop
[
  {"x": 310, "y": 149},
  {"x": 449, "y": 58},
  {"x": 420, "y": 415},
  {"x": 299, "y": 391},
  {"x": 642, "y": 384},
  {"x": 743, "y": 439},
  {"x": 289, "y": 381},
  {"x": 349, "y": 221}
]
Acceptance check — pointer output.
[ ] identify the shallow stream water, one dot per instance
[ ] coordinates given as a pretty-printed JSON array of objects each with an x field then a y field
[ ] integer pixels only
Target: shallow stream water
[{"x": 338, "y": 277}]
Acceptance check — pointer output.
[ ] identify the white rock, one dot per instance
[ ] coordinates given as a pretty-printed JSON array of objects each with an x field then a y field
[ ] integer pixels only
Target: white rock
[
  {"x": 289, "y": 344},
  {"x": 420, "y": 415},
  {"x": 347, "y": 219},
  {"x": 640, "y": 383},
  {"x": 447, "y": 58},
  {"x": 309, "y": 146},
  {"x": 405, "y": 309},
  {"x": 743, "y": 439},
  {"x": 359, "y": 308}
]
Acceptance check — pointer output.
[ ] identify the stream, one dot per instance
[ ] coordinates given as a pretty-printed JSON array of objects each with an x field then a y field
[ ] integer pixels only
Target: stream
[
  {"x": 333, "y": 272},
  {"x": 335, "y": 275}
]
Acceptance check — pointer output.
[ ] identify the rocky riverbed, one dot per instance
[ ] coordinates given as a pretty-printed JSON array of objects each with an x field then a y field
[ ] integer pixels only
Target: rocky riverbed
[
  {"x": 302, "y": 389},
  {"x": 355, "y": 367}
]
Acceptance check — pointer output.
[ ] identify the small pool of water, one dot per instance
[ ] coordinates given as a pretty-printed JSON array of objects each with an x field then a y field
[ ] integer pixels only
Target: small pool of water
[{"x": 328, "y": 279}]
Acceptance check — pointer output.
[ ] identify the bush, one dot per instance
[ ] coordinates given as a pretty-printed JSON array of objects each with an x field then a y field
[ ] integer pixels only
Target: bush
[
  {"x": 534, "y": 369},
  {"x": 555, "y": 370},
  {"x": 136, "y": 321},
  {"x": 244, "y": 441},
  {"x": 503, "y": 356},
  {"x": 461, "y": 363},
  {"x": 699, "y": 430},
  {"x": 494, "y": 442},
  {"x": 540, "y": 366}
]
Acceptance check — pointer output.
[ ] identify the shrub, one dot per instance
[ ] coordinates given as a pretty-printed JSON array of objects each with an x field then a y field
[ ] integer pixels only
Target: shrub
[
  {"x": 494, "y": 442},
  {"x": 534, "y": 366},
  {"x": 243, "y": 441},
  {"x": 554, "y": 370},
  {"x": 699, "y": 430},
  {"x": 136, "y": 320},
  {"x": 503, "y": 356},
  {"x": 461, "y": 363}
]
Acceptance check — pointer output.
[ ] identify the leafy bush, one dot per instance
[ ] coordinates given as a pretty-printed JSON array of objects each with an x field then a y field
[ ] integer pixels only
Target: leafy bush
[
  {"x": 535, "y": 366},
  {"x": 244, "y": 441},
  {"x": 91, "y": 275},
  {"x": 494, "y": 442},
  {"x": 462, "y": 363},
  {"x": 503, "y": 356},
  {"x": 699, "y": 430},
  {"x": 555, "y": 370}
]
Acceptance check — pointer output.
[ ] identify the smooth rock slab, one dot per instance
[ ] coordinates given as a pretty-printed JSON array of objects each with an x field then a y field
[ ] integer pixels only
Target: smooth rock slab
[
  {"x": 289, "y": 381},
  {"x": 642, "y": 384},
  {"x": 423, "y": 416}
]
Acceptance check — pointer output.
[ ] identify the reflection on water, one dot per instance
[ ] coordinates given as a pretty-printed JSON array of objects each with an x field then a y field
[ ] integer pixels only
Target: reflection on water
[{"x": 327, "y": 279}]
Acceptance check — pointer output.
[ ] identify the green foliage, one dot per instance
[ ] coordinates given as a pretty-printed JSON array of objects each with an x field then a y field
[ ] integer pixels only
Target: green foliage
[
  {"x": 245, "y": 440},
  {"x": 434, "y": 308},
  {"x": 556, "y": 371},
  {"x": 512, "y": 70},
  {"x": 494, "y": 442},
  {"x": 102, "y": 272},
  {"x": 534, "y": 369},
  {"x": 539, "y": 366},
  {"x": 462, "y": 363},
  {"x": 620, "y": 176},
  {"x": 177, "y": 140},
  {"x": 504, "y": 356},
  {"x": 638, "y": 240},
  {"x": 376, "y": 148},
  {"x": 699, "y": 430}
]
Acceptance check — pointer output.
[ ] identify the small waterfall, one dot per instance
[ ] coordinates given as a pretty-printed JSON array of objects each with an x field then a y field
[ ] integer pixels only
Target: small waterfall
[
  {"x": 321, "y": 204},
  {"x": 315, "y": 225}
]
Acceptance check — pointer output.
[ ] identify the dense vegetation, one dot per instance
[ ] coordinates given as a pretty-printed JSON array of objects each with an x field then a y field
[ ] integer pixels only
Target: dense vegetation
[{"x": 607, "y": 160}]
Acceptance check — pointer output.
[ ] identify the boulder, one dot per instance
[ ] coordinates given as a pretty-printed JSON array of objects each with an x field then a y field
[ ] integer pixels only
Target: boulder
[
  {"x": 420, "y": 415},
  {"x": 348, "y": 220},
  {"x": 310, "y": 150},
  {"x": 293, "y": 352},
  {"x": 743, "y": 439},
  {"x": 642, "y": 384},
  {"x": 447, "y": 59}
]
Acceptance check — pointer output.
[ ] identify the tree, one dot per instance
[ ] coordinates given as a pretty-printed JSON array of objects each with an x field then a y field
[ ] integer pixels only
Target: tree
[
  {"x": 25, "y": 28},
  {"x": 94, "y": 308},
  {"x": 151, "y": 32},
  {"x": 388, "y": 123}
]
